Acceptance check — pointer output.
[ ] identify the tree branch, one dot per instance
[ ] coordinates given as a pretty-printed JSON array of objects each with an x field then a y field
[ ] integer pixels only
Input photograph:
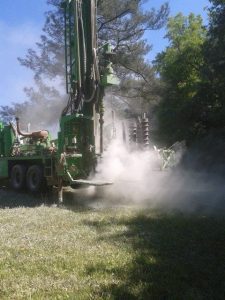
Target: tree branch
[
  {"x": 134, "y": 71},
  {"x": 113, "y": 19}
]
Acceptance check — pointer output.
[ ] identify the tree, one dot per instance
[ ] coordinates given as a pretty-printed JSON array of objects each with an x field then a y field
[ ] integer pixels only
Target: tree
[
  {"x": 180, "y": 69},
  {"x": 123, "y": 23},
  {"x": 213, "y": 72}
]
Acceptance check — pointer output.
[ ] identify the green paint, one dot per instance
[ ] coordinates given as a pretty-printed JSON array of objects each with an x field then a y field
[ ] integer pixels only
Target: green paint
[
  {"x": 4, "y": 173},
  {"x": 76, "y": 141},
  {"x": 8, "y": 138}
]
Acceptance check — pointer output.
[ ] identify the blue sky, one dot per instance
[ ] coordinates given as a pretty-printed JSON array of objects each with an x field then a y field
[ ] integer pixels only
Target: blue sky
[{"x": 21, "y": 22}]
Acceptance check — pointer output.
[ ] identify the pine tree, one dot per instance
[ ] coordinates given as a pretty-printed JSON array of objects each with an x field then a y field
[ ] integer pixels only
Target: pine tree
[{"x": 122, "y": 23}]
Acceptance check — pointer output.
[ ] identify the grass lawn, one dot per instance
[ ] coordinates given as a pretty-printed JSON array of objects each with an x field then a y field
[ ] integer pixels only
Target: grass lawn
[{"x": 114, "y": 253}]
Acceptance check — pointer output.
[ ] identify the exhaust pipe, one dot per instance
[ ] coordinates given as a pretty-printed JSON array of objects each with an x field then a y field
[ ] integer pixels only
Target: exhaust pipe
[{"x": 42, "y": 134}]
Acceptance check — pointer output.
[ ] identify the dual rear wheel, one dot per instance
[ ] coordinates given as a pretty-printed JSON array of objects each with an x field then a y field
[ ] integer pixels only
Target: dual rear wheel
[{"x": 32, "y": 177}]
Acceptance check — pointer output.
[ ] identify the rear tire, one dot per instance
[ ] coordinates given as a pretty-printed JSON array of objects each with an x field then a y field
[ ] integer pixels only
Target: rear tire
[
  {"x": 18, "y": 176},
  {"x": 35, "y": 179}
]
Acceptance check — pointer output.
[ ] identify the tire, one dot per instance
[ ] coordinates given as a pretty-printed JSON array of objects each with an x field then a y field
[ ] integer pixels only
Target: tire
[
  {"x": 18, "y": 177},
  {"x": 35, "y": 178}
]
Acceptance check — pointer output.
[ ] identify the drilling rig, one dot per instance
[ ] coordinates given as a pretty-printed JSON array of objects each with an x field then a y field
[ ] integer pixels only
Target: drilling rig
[{"x": 31, "y": 160}]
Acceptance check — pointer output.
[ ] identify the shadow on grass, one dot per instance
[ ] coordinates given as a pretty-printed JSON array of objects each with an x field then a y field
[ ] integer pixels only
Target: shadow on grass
[
  {"x": 83, "y": 199},
  {"x": 173, "y": 257},
  {"x": 13, "y": 199},
  {"x": 75, "y": 200}
]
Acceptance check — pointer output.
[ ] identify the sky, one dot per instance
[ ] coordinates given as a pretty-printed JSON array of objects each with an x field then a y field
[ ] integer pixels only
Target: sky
[{"x": 21, "y": 22}]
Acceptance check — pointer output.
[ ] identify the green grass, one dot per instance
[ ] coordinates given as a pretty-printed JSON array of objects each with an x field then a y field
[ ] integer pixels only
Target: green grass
[{"x": 116, "y": 253}]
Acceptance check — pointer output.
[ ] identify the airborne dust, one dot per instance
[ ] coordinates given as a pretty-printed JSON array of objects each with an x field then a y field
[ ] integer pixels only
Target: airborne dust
[{"x": 138, "y": 181}]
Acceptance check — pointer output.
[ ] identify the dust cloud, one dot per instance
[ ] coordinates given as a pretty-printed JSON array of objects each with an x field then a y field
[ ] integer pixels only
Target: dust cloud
[
  {"x": 43, "y": 110},
  {"x": 138, "y": 180}
]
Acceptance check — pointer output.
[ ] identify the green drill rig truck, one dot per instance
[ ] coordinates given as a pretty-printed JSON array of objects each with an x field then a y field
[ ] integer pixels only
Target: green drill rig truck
[{"x": 31, "y": 160}]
